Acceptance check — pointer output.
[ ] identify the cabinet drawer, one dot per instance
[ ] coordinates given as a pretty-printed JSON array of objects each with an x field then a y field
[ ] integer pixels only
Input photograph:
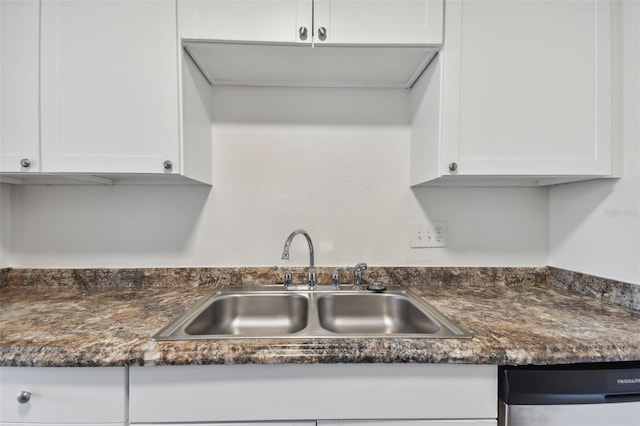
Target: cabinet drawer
[
  {"x": 63, "y": 395},
  {"x": 319, "y": 391}
]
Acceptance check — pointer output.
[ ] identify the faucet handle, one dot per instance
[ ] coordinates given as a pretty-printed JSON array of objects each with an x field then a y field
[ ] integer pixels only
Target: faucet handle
[
  {"x": 357, "y": 275},
  {"x": 335, "y": 276},
  {"x": 288, "y": 278}
]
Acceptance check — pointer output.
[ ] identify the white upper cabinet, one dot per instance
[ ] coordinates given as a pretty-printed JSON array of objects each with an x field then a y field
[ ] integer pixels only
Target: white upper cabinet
[
  {"x": 524, "y": 91},
  {"x": 93, "y": 92},
  {"x": 19, "y": 85},
  {"x": 109, "y": 86},
  {"x": 320, "y": 21},
  {"x": 286, "y": 21},
  {"x": 378, "y": 21},
  {"x": 358, "y": 43}
]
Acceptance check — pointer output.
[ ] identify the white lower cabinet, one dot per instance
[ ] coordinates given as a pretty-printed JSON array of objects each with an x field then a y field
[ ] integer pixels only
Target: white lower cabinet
[
  {"x": 387, "y": 422},
  {"x": 246, "y": 395},
  {"x": 393, "y": 422},
  {"x": 323, "y": 394},
  {"x": 56, "y": 396},
  {"x": 285, "y": 423}
]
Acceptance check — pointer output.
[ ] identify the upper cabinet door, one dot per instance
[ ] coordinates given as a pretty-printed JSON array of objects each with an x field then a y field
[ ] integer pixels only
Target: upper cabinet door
[
  {"x": 109, "y": 76},
  {"x": 19, "y": 85},
  {"x": 528, "y": 88},
  {"x": 378, "y": 21},
  {"x": 317, "y": 21},
  {"x": 288, "y": 21}
]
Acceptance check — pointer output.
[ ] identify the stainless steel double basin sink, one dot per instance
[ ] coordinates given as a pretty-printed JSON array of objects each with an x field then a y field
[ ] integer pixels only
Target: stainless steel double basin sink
[{"x": 237, "y": 312}]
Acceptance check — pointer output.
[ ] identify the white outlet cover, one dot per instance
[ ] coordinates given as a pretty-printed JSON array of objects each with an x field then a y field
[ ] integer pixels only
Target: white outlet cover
[{"x": 428, "y": 234}]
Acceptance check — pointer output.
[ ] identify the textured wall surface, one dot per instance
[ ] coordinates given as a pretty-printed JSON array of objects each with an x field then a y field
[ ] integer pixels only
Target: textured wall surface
[
  {"x": 595, "y": 226},
  {"x": 334, "y": 162}
]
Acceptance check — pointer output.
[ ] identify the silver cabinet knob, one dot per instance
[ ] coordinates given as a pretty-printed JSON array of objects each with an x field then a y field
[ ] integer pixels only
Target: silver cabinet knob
[
  {"x": 322, "y": 33},
  {"x": 453, "y": 167},
  {"x": 25, "y": 163},
  {"x": 24, "y": 397},
  {"x": 302, "y": 31},
  {"x": 168, "y": 165}
]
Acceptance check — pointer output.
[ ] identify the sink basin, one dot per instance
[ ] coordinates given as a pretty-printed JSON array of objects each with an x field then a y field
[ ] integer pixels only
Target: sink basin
[
  {"x": 241, "y": 313},
  {"x": 251, "y": 314},
  {"x": 269, "y": 312},
  {"x": 372, "y": 313}
]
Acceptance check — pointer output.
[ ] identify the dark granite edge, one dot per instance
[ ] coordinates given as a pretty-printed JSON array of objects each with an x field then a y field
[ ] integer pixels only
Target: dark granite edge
[
  {"x": 351, "y": 351},
  {"x": 604, "y": 289},
  {"x": 27, "y": 359}
]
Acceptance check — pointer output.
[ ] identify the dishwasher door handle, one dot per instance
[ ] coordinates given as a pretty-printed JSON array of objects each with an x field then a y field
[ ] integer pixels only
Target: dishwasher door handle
[{"x": 623, "y": 397}]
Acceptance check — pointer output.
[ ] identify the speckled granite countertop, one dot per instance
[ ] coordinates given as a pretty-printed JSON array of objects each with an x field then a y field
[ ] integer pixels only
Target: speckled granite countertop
[{"x": 106, "y": 318}]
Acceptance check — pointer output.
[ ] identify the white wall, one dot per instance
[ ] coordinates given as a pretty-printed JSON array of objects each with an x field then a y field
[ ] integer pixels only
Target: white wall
[
  {"x": 334, "y": 162},
  {"x": 595, "y": 226},
  {"x": 5, "y": 225}
]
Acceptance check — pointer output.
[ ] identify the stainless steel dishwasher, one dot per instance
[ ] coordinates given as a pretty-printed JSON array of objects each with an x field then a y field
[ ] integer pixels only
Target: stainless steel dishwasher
[{"x": 605, "y": 394}]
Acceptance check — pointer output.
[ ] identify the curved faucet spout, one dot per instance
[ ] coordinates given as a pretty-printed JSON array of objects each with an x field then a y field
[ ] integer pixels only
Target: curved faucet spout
[{"x": 312, "y": 281}]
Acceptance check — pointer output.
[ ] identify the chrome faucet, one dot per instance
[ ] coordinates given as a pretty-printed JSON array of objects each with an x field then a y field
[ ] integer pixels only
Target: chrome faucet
[
  {"x": 357, "y": 275},
  {"x": 311, "y": 278}
]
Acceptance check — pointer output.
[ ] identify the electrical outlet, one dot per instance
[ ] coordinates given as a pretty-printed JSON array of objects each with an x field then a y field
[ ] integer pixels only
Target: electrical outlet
[
  {"x": 418, "y": 234},
  {"x": 428, "y": 234}
]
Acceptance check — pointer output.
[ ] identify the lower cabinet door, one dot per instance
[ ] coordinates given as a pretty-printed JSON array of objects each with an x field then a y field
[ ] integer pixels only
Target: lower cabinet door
[
  {"x": 387, "y": 422},
  {"x": 395, "y": 422},
  {"x": 281, "y": 423},
  {"x": 63, "y": 424},
  {"x": 58, "y": 395},
  {"x": 248, "y": 393}
]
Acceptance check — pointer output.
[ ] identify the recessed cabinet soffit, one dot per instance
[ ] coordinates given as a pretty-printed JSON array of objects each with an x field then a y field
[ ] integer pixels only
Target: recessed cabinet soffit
[{"x": 282, "y": 64}]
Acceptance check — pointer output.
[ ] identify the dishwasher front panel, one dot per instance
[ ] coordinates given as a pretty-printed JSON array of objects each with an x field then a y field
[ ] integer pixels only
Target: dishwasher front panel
[
  {"x": 605, "y": 394},
  {"x": 614, "y": 414}
]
